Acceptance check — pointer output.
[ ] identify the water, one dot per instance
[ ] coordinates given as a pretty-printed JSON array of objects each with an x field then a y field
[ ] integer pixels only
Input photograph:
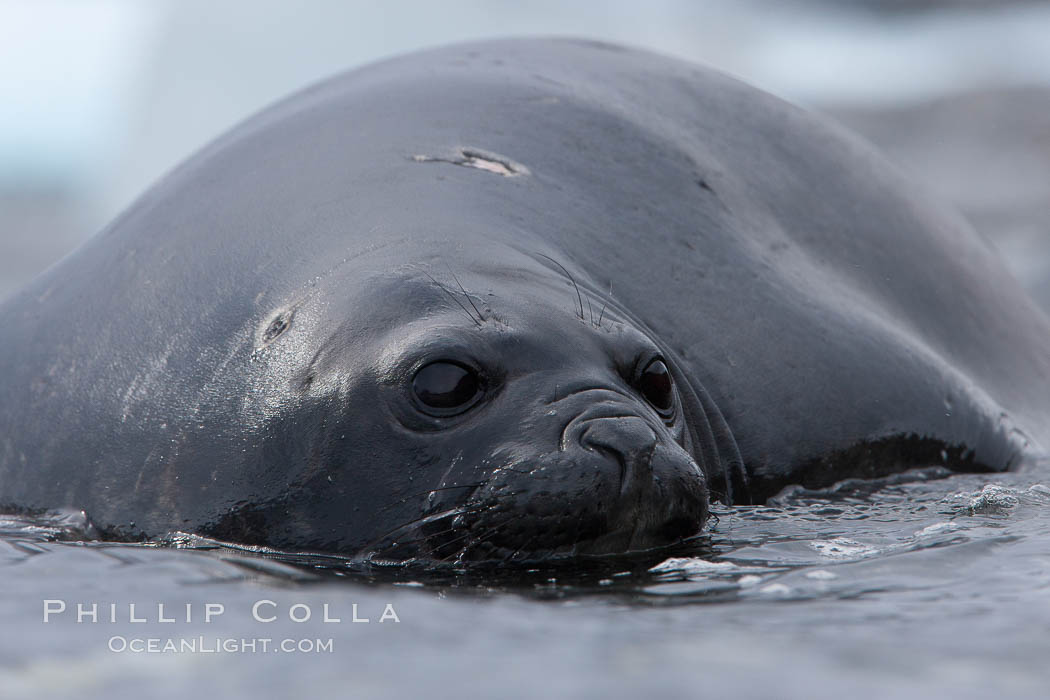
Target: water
[{"x": 915, "y": 586}]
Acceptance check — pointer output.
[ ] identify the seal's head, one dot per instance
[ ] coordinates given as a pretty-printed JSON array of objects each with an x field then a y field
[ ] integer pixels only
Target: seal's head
[{"x": 485, "y": 412}]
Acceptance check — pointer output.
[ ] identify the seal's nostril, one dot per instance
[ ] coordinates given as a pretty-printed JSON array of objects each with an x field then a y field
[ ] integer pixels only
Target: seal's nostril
[{"x": 627, "y": 438}]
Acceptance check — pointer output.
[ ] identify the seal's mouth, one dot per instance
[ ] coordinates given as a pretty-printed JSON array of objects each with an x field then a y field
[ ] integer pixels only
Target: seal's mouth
[
  {"x": 615, "y": 486},
  {"x": 454, "y": 537}
]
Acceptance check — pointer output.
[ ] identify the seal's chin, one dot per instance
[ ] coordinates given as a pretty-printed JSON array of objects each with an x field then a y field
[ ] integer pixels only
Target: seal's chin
[{"x": 609, "y": 493}]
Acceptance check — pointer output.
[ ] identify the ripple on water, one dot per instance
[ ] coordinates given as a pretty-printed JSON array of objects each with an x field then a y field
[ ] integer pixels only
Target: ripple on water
[{"x": 947, "y": 570}]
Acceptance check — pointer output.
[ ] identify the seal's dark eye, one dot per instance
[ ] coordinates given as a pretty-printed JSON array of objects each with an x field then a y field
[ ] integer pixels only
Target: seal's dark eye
[
  {"x": 655, "y": 385},
  {"x": 446, "y": 386}
]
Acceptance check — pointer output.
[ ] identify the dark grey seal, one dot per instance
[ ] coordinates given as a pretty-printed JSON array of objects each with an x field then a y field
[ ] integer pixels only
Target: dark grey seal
[{"x": 511, "y": 300}]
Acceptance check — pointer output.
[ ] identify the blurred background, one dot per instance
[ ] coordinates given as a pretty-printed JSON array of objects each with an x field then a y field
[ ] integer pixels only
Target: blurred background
[{"x": 99, "y": 98}]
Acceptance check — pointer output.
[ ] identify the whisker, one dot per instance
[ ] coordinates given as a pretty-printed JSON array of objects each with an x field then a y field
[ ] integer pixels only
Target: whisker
[
  {"x": 419, "y": 522},
  {"x": 444, "y": 488},
  {"x": 481, "y": 540},
  {"x": 453, "y": 297},
  {"x": 602, "y": 314},
  {"x": 579, "y": 297},
  {"x": 418, "y": 537},
  {"x": 462, "y": 536},
  {"x": 480, "y": 315},
  {"x": 522, "y": 547}
]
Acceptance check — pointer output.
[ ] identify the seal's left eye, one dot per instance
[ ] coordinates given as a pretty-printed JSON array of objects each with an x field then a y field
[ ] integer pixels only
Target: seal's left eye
[
  {"x": 448, "y": 387},
  {"x": 656, "y": 386}
]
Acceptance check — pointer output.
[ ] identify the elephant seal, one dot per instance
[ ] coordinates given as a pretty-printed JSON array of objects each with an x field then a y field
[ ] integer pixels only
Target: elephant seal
[{"x": 511, "y": 300}]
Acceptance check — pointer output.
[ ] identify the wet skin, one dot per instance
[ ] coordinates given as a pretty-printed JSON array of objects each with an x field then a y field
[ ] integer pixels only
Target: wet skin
[
  {"x": 601, "y": 457},
  {"x": 507, "y": 301}
]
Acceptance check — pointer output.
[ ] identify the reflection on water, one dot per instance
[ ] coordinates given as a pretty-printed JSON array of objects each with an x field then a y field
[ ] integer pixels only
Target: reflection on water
[{"x": 923, "y": 583}]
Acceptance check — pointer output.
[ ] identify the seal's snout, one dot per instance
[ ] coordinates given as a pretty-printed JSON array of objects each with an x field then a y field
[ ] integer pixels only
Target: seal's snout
[
  {"x": 626, "y": 439},
  {"x": 618, "y": 481},
  {"x": 646, "y": 489}
]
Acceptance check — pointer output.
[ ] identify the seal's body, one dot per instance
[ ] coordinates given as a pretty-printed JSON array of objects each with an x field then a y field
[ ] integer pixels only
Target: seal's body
[{"x": 511, "y": 299}]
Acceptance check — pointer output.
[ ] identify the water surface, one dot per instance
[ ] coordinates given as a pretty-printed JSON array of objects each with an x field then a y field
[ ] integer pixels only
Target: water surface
[{"x": 915, "y": 586}]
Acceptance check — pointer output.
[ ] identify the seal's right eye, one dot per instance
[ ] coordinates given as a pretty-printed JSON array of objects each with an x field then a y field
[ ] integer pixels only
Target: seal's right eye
[
  {"x": 656, "y": 386},
  {"x": 446, "y": 387}
]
